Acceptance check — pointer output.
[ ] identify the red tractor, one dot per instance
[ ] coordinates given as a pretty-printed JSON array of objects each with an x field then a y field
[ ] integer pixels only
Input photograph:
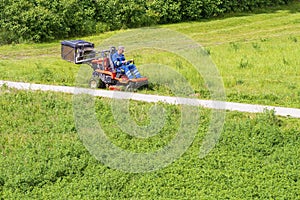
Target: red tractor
[{"x": 105, "y": 73}]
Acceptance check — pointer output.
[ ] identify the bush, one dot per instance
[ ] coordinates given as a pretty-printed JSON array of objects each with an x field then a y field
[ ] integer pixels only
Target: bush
[
  {"x": 168, "y": 11},
  {"x": 43, "y": 20},
  {"x": 124, "y": 14}
]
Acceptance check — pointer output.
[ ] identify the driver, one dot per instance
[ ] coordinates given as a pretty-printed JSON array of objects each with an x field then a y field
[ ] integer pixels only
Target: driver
[{"x": 119, "y": 60}]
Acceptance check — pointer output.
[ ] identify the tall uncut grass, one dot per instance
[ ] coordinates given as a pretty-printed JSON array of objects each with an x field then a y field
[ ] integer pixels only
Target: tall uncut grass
[{"x": 256, "y": 157}]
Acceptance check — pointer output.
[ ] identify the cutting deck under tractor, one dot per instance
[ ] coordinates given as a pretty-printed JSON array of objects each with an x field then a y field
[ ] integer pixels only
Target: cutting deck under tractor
[{"x": 105, "y": 73}]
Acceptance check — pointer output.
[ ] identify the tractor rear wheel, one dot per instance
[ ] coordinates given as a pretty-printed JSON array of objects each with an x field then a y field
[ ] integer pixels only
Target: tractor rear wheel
[{"x": 94, "y": 83}]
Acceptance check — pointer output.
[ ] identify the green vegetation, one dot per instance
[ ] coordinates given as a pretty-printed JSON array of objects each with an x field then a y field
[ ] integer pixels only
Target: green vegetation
[
  {"x": 42, "y": 156},
  {"x": 256, "y": 157},
  {"x": 43, "y": 20},
  {"x": 257, "y": 56}
]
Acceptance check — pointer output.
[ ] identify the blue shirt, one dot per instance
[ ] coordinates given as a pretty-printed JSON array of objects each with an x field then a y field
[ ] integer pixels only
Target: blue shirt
[{"x": 118, "y": 59}]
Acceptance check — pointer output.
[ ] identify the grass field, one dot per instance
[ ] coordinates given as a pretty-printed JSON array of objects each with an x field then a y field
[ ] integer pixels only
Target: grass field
[
  {"x": 256, "y": 157},
  {"x": 42, "y": 157},
  {"x": 257, "y": 56}
]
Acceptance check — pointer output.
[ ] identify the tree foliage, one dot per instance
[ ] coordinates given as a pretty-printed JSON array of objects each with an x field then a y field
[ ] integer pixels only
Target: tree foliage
[{"x": 43, "y": 20}]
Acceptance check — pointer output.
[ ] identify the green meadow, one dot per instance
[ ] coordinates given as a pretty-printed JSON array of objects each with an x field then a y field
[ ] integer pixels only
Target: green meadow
[
  {"x": 256, "y": 55},
  {"x": 42, "y": 156},
  {"x": 255, "y": 157}
]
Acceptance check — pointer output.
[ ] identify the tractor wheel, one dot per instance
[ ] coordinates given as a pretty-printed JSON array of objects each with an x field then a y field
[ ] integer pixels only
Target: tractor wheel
[
  {"x": 94, "y": 83},
  {"x": 130, "y": 87},
  {"x": 101, "y": 84}
]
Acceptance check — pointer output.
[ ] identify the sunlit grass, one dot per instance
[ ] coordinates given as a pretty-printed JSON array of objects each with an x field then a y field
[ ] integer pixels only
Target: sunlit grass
[
  {"x": 41, "y": 154},
  {"x": 256, "y": 55},
  {"x": 256, "y": 156}
]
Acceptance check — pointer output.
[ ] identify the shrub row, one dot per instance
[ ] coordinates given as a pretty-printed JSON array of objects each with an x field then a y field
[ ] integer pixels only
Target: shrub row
[{"x": 43, "y": 20}]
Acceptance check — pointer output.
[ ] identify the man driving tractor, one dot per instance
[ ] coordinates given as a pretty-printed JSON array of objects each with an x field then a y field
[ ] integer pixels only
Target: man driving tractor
[{"x": 129, "y": 68}]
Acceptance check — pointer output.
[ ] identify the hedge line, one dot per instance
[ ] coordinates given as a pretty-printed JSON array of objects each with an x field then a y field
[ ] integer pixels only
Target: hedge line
[{"x": 44, "y": 20}]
